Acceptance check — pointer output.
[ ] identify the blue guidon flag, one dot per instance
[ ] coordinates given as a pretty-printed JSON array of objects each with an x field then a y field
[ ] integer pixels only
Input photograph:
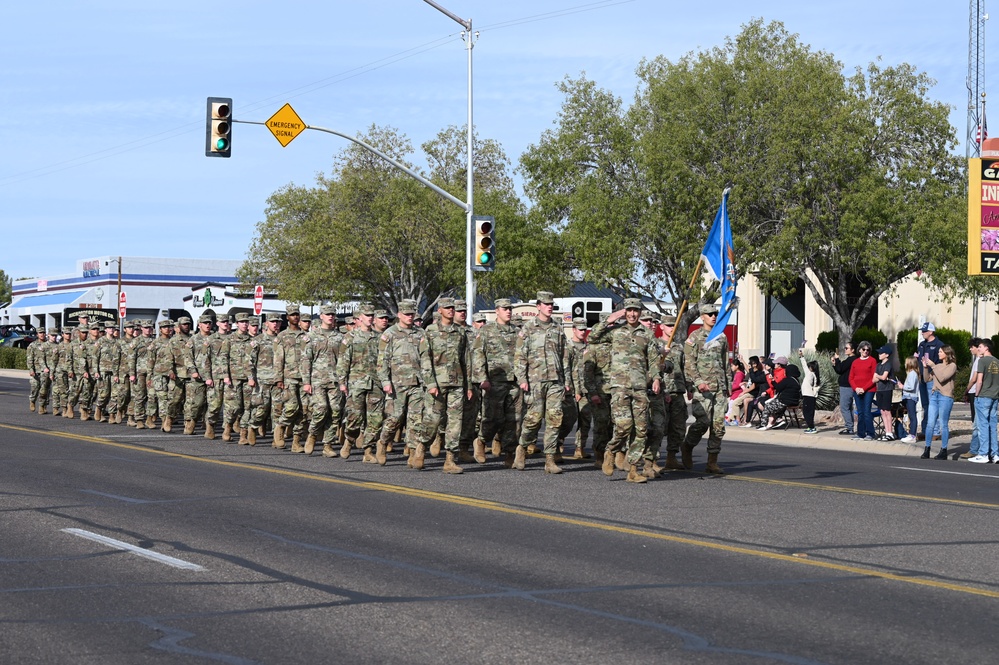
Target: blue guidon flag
[{"x": 719, "y": 255}]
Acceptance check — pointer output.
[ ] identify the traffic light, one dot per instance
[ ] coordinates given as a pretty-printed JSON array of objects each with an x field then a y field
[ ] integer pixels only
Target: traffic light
[
  {"x": 484, "y": 258},
  {"x": 218, "y": 130}
]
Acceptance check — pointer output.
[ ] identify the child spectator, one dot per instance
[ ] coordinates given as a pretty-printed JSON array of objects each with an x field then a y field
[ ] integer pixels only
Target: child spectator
[
  {"x": 809, "y": 391},
  {"x": 910, "y": 396},
  {"x": 738, "y": 379}
]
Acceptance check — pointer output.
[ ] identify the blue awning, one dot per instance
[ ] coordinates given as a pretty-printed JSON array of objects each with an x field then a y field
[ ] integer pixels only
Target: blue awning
[{"x": 46, "y": 299}]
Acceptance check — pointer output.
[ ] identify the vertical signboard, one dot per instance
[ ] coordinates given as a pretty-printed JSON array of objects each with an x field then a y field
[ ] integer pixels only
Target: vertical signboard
[{"x": 983, "y": 216}]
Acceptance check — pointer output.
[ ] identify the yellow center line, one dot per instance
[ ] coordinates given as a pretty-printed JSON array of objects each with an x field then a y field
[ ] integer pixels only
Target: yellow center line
[{"x": 585, "y": 523}]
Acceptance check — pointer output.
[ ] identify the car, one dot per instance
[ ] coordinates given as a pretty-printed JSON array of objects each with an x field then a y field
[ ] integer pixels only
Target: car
[{"x": 17, "y": 335}]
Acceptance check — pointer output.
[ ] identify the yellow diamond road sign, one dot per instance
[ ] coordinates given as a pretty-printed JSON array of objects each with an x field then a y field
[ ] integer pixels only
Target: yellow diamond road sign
[{"x": 285, "y": 125}]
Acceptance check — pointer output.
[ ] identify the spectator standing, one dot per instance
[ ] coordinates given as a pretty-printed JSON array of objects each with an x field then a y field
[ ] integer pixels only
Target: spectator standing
[
  {"x": 846, "y": 393},
  {"x": 809, "y": 391},
  {"x": 928, "y": 349},
  {"x": 941, "y": 377},
  {"x": 986, "y": 399},
  {"x": 969, "y": 397},
  {"x": 862, "y": 383},
  {"x": 885, "y": 377},
  {"x": 910, "y": 397}
]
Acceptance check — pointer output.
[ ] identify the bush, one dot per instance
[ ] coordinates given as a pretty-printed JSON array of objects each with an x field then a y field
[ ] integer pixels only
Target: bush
[
  {"x": 872, "y": 335},
  {"x": 11, "y": 358},
  {"x": 827, "y": 342},
  {"x": 907, "y": 341},
  {"x": 958, "y": 339}
]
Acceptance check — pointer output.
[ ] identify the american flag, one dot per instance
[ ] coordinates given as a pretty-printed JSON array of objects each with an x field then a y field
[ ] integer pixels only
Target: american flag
[{"x": 982, "y": 132}]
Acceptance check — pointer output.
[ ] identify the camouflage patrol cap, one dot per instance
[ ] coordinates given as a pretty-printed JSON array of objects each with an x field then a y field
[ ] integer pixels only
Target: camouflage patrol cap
[
  {"x": 40, "y": 331},
  {"x": 517, "y": 320},
  {"x": 205, "y": 318},
  {"x": 604, "y": 316},
  {"x": 292, "y": 309},
  {"x": 647, "y": 315},
  {"x": 632, "y": 303},
  {"x": 328, "y": 309},
  {"x": 460, "y": 305},
  {"x": 366, "y": 309},
  {"x": 255, "y": 321},
  {"x": 445, "y": 303},
  {"x": 407, "y": 307},
  {"x": 709, "y": 308},
  {"x": 669, "y": 320},
  {"x": 343, "y": 330},
  {"x": 184, "y": 319},
  {"x": 94, "y": 326},
  {"x": 222, "y": 318},
  {"x": 480, "y": 317},
  {"x": 108, "y": 325},
  {"x": 349, "y": 320},
  {"x": 546, "y": 297},
  {"x": 242, "y": 316},
  {"x": 54, "y": 330},
  {"x": 503, "y": 302},
  {"x": 381, "y": 314},
  {"x": 579, "y": 323},
  {"x": 147, "y": 323},
  {"x": 166, "y": 323}
]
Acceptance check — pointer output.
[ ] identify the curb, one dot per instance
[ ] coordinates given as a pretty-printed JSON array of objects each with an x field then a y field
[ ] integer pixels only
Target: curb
[{"x": 14, "y": 374}]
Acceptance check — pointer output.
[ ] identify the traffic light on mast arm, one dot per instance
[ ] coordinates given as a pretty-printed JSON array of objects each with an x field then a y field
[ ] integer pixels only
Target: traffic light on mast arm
[
  {"x": 218, "y": 130},
  {"x": 484, "y": 258}
]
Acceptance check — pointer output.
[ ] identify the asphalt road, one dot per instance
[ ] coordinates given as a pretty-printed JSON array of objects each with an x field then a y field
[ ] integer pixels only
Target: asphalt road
[{"x": 796, "y": 556}]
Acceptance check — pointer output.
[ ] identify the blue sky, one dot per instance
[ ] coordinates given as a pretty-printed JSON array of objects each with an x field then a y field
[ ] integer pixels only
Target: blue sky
[{"x": 102, "y": 102}]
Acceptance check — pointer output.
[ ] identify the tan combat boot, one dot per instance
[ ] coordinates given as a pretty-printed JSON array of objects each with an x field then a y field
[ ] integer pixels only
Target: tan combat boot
[
  {"x": 328, "y": 450},
  {"x": 296, "y": 444},
  {"x": 99, "y": 416},
  {"x": 687, "y": 456},
  {"x": 520, "y": 459},
  {"x": 531, "y": 449},
  {"x": 608, "y": 464},
  {"x": 244, "y": 438},
  {"x": 634, "y": 476},
  {"x": 435, "y": 447},
  {"x": 227, "y": 432},
  {"x": 380, "y": 453},
  {"x": 42, "y": 410},
  {"x": 345, "y": 448},
  {"x": 579, "y": 453},
  {"x": 67, "y": 412},
  {"x": 167, "y": 424},
  {"x": 508, "y": 459},
  {"x": 450, "y": 466},
  {"x": 649, "y": 470},
  {"x": 84, "y": 414},
  {"x": 464, "y": 456},
  {"x": 132, "y": 422},
  {"x": 278, "y": 441},
  {"x": 251, "y": 435},
  {"x": 712, "y": 465},
  {"x": 672, "y": 463},
  {"x": 620, "y": 461},
  {"x": 369, "y": 457},
  {"x": 210, "y": 431},
  {"x": 497, "y": 447},
  {"x": 150, "y": 422},
  {"x": 551, "y": 466},
  {"x": 140, "y": 423},
  {"x": 310, "y": 444},
  {"x": 31, "y": 407},
  {"x": 417, "y": 457},
  {"x": 189, "y": 427},
  {"x": 479, "y": 451}
]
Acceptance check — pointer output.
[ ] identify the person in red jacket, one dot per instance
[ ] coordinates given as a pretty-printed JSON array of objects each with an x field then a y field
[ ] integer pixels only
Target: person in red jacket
[{"x": 862, "y": 383}]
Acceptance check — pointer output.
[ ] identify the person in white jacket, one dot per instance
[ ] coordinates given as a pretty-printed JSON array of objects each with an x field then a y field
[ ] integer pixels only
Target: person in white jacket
[{"x": 809, "y": 391}]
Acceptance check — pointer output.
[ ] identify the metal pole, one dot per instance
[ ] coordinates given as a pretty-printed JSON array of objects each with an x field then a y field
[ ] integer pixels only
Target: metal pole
[
  {"x": 469, "y": 226},
  {"x": 120, "y": 322}
]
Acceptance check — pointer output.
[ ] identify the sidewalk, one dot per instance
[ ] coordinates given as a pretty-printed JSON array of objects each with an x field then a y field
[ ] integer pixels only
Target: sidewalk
[
  {"x": 829, "y": 438},
  {"x": 14, "y": 374}
]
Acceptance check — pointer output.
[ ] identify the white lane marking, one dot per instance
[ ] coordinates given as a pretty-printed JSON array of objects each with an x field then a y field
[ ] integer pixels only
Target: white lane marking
[
  {"x": 126, "y": 499},
  {"x": 953, "y": 473},
  {"x": 135, "y": 549}
]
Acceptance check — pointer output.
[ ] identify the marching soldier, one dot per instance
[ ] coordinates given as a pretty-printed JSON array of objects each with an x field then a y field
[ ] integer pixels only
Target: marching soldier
[
  {"x": 39, "y": 375},
  {"x": 200, "y": 378},
  {"x": 657, "y": 404},
  {"x": 540, "y": 367},
  {"x": 707, "y": 371},
  {"x": 357, "y": 370},
  {"x": 143, "y": 405},
  {"x": 320, "y": 383},
  {"x": 216, "y": 392},
  {"x": 183, "y": 364},
  {"x": 104, "y": 355},
  {"x": 263, "y": 380},
  {"x": 493, "y": 353},
  {"x": 400, "y": 375},
  {"x": 80, "y": 391},
  {"x": 444, "y": 357},
  {"x": 121, "y": 386},
  {"x": 634, "y": 369},
  {"x": 161, "y": 374},
  {"x": 577, "y": 404},
  {"x": 62, "y": 364},
  {"x": 471, "y": 407},
  {"x": 675, "y": 390},
  {"x": 236, "y": 365},
  {"x": 596, "y": 373},
  {"x": 288, "y": 351}
]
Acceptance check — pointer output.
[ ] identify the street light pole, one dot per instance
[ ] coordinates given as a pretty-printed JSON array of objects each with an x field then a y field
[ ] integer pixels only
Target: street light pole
[{"x": 469, "y": 38}]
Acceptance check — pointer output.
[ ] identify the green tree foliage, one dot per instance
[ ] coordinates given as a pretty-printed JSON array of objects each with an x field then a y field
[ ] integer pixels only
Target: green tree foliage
[
  {"x": 6, "y": 288},
  {"x": 368, "y": 230},
  {"x": 839, "y": 181}
]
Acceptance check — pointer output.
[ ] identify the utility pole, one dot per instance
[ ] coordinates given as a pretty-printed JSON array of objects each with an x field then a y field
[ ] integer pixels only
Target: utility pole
[{"x": 976, "y": 100}]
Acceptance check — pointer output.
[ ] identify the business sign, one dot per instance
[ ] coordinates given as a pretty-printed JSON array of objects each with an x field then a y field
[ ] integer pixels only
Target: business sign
[
  {"x": 71, "y": 315},
  {"x": 92, "y": 268},
  {"x": 983, "y": 216}
]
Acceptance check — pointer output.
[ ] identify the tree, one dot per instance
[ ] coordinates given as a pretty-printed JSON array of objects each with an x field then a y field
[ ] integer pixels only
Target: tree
[
  {"x": 836, "y": 180},
  {"x": 369, "y": 231},
  {"x": 6, "y": 288}
]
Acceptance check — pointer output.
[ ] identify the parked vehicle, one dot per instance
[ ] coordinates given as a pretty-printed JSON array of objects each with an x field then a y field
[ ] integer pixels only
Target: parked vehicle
[{"x": 17, "y": 335}]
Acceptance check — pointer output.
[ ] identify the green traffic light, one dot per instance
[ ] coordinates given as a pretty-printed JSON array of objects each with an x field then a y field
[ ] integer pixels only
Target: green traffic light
[
  {"x": 221, "y": 144},
  {"x": 485, "y": 257}
]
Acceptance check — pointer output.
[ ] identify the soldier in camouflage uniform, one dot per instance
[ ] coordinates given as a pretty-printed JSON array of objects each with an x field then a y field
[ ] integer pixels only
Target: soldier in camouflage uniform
[
  {"x": 708, "y": 372},
  {"x": 143, "y": 405},
  {"x": 104, "y": 357},
  {"x": 634, "y": 370},
  {"x": 63, "y": 361},
  {"x": 657, "y": 404},
  {"x": 596, "y": 375},
  {"x": 471, "y": 407},
  {"x": 121, "y": 386},
  {"x": 443, "y": 359},
  {"x": 540, "y": 366},
  {"x": 92, "y": 350},
  {"x": 675, "y": 390},
  {"x": 289, "y": 348},
  {"x": 200, "y": 377},
  {"x": 216, "y": 391},
  {"x": 357, "y": 370},
  {"x": 39, "y": 375},
  {"x": 80, "y": 391},
  {"x": 577, "y": 404},
  {"x": 234, "y": 368},
  {"x": 320, "y": 382},
  {"x": 493, "y": 353},
  {"x": 161, "y": 374},
  {"x": 401, "y": 377},
  {"x": 264, "y": 380}
]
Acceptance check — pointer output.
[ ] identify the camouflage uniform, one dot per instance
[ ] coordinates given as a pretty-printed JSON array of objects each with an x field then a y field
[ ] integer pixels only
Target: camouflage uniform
[
  {"x": 237, "y": 359},
  {"x": 265, "y": 393},
  {"x": 161, "y": 374},
  {"x": 493, "y": 353},
  {"x": 183, "y": 363},
  {"x": 540, "y": 363},
  {"x": 319, "y": 372},
  {"x": 220, "y": 369},
  {"x": 39, "y": 374},
  {"x": 104, "y": 357},
  {"x": 201, "y": 371},
  {"x": 121, "y": 387},
  {"x": 675, "y": 389},
  {"x": 707, "y": 364},
  {"x": 82, "y": 393},
  {"x": 138, "y": 374},
  {"x": 62, "y": 359},
  {"x": 289, "y": 348},
  {"x": 443, "y": 359},
  {"x": 596, "y": 375},
  {"x": 634, "y": 368},
  {"x": 470, "y": 410},
  {"x": 357, "y": 370},
  {"x": 576, "y": 408},
  {"x": 399, "y": 367}
]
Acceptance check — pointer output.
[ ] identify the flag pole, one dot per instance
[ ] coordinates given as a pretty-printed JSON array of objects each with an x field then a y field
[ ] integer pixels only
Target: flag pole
[{"x": 679, "y": 312}]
